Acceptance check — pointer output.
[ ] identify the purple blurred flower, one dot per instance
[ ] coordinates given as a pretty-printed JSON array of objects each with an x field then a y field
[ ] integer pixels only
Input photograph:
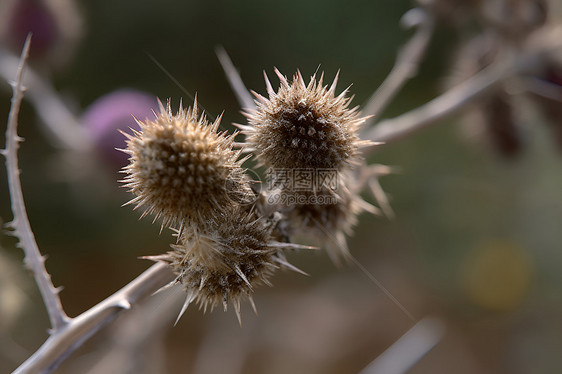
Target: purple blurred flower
[
  {"x": 113, "y": 112},
  {"x": 33, "y": 16},
  {"x": 56, "y": 26}
]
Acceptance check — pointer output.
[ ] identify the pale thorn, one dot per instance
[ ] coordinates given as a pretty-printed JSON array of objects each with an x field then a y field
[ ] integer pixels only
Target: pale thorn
[
  {"x": 244, "y": 127},
  {"x": 144, "y": 214},
  {"x": 236, "y": 304},
  {"x": 381, "y": 170},
  {"x": 268, "y": 86},
  {"x": 339, "y": 244},
  {"x": 261, "y": 99},
  {"x": 161, "y": 107},
  {"x": 124, "y": 304},
  {"x": 180, "y": 110},
  {"x": 282, "y": 78},
  {"x": 292, "y": 267},
  {"x": 132, "y": 201},
  {"x": 127, "y": 151},
  {"x": 342, "y": 95},
  {"x": 301, "y": 79},
  {"x": 165, "y": 287},
  {"x": 321, "y": 79},
  {"x": 242, "y": 276},
  {"x": 333, "y": 255},
  {"x": 188, "y": 300},
  {"x": 217, "y": 122},
  {"x": 178, "y": 231},
  {"x": 332, "y": 88},
  {"x": 381, "y": 198},
  {"x": 368, "y": 143},
  {"x": 203, "y": 281},
  {"x": 224, "y": 302},
  {"x": 126, "y": 134},
  {"x": 291, "y": 246},
  {"x": 156, "y": 258},
  {"x": 369, "y": 207},
  {"x": 253, "y": 304},
  {"x": 272, "y": 266},
  {"x": 245, "y": 149}
]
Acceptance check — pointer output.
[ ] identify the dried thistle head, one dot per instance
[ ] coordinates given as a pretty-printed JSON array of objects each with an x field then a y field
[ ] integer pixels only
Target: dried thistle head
[
  {"x": 327, "y": 215},
  {"x": 304, "y": 126},
  {"x": 182, "y": 169},
  {"x": 225, "y": 260}
]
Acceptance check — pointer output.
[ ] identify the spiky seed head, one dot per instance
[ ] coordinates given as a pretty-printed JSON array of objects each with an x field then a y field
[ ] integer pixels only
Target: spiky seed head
[
  {"x": 327, "y": 215},
  {"x": 304, "y": 126},
  {"x": 225, "y": 260},
  {"x": 182, "y": 169}
]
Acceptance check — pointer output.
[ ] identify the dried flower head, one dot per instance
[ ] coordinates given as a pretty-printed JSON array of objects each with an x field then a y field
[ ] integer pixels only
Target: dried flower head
[
  {"x": 182, "y": 170},
  {"x": 225, "y": 260},
  {"x": 328, "y": 215},
  {"x": 304, "y": 126}
]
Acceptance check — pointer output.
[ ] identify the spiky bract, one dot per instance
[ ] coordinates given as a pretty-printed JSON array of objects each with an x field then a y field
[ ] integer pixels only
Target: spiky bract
[
  {"x": 304, "y": 126},
  {"x": 182, "y": 170}
]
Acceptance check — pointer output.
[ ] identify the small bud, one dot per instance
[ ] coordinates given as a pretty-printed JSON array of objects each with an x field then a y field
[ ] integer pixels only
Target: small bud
[
  {"x": 304, "y": 126},
  {"x": 182, "y": 170}
]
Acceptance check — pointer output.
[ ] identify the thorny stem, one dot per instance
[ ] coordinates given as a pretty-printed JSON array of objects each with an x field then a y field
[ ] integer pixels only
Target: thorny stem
[
  {"x": 67, "y": 334},
  {"x": 20, "y": 224},
  {"x": 59, "y": 345},
  {"x": 406, "y": 66}
]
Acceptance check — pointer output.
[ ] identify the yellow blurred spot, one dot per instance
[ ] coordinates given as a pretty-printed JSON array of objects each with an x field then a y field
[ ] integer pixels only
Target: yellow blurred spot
[{"x": 497, "y": 275}]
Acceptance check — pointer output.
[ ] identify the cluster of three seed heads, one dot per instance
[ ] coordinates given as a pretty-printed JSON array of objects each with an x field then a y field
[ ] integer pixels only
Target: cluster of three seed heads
[{"x": 186, "y": 172}]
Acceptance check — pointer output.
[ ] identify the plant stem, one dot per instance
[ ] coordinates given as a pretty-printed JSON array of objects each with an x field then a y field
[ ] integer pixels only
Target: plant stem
[
  {"x": 66, "y": 340},
  {"x": 20, "y": 224}
]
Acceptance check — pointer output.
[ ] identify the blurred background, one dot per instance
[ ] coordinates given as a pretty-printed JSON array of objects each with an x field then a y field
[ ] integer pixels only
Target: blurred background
[{"x": 476, "y": 242}]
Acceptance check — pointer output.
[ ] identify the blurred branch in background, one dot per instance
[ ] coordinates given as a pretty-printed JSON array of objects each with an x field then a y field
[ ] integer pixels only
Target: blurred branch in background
[
  {"x": 409, "y": 349},
  {"x": 407, "y": 62},
  {"x": 511, "y": 65},
  {"x": 61, "y": 124}
]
